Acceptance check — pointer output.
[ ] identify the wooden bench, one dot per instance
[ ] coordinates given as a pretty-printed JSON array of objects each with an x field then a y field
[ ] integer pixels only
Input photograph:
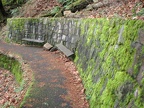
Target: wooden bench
[
  {"x": 63, "y": 49},
  {"x": 32, "y": 40}
]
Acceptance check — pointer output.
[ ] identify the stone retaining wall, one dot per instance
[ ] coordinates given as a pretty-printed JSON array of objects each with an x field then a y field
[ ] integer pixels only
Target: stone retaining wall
[
  {"x": 54, "y": 31},
  {"x": 109, "y": 55}
]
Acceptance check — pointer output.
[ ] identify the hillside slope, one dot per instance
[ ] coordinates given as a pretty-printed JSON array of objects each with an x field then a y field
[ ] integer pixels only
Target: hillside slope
[{"x": 132, "y": 9}]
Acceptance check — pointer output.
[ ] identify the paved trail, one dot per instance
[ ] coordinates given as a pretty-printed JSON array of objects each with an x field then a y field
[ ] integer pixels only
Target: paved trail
[{"x": 49, "y": 86}]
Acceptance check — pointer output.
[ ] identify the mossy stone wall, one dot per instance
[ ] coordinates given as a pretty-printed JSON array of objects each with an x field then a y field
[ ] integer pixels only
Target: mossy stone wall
[
  {"x": 109, "y": 58},
  {"x": 66, "y": 31},
  {"x": 109, "y": 55}
]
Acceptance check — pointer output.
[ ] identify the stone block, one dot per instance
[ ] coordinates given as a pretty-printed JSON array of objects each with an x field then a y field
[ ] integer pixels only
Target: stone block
[
  {"x": 69, "y": 39},
  {"x": 59, "y": 39},
  {"x": 67, "y": 44},
  {"x": 59, "y": 31},
  {"x": 74, "y": 39},
  {"x": 80, "y": 48},
  {"x": 45, "y": 21},
  {"x": 54, "y": 38},
  {"x": 120, "y": 38},
  {"x": 65, "y": 26},
  {"x": 86, "y": 53},
  {"x": 73, "y": 47},
  {"x": 66, "y": 32},
  {"x": 66, "y": 51},
  {"x": 78, "y": 31},
  {"x": 59, "y": 35},
  {"x": 59, "y": 25},
  {"x": 67, "y": 13},
  {"x": 96, "y": 78},
  {"x": 64, "y": 37},
  {"x": 141, "y": 36},
  {"x": 47, "y": 46},
  {"x": 92, "y": 50}
]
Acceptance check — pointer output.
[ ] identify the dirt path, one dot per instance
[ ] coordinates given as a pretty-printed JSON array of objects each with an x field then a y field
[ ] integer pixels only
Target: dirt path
[{"x": 57, "y": 83}]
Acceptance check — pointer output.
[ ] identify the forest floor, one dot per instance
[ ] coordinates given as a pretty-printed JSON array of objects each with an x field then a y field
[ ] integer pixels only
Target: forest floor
[
  {"x": 126, "y": 9},
  {"x": 8, "y": 85}
]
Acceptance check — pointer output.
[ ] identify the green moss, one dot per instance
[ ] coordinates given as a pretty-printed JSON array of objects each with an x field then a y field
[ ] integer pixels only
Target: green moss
[
  {"x": 27, "y": 93},
  {"x": 12, "y": 65},
  {"x": 108, "y": 96},
  {"x": 83, "y": 25},
  {"x": 19, "y": 23},
  {"x": 112, "y": 63}
]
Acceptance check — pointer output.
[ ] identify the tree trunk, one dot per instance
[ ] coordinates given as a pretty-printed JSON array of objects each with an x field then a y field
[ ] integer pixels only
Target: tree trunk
[
  {"x": 2, "y": 9},
  {"x": 2, "y": 12}
]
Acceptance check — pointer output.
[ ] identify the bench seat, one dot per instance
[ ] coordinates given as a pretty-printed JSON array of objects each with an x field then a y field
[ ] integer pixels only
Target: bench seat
[
  {"x": 32, "y": 40},
  {"x": 63, "y": 49}
]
